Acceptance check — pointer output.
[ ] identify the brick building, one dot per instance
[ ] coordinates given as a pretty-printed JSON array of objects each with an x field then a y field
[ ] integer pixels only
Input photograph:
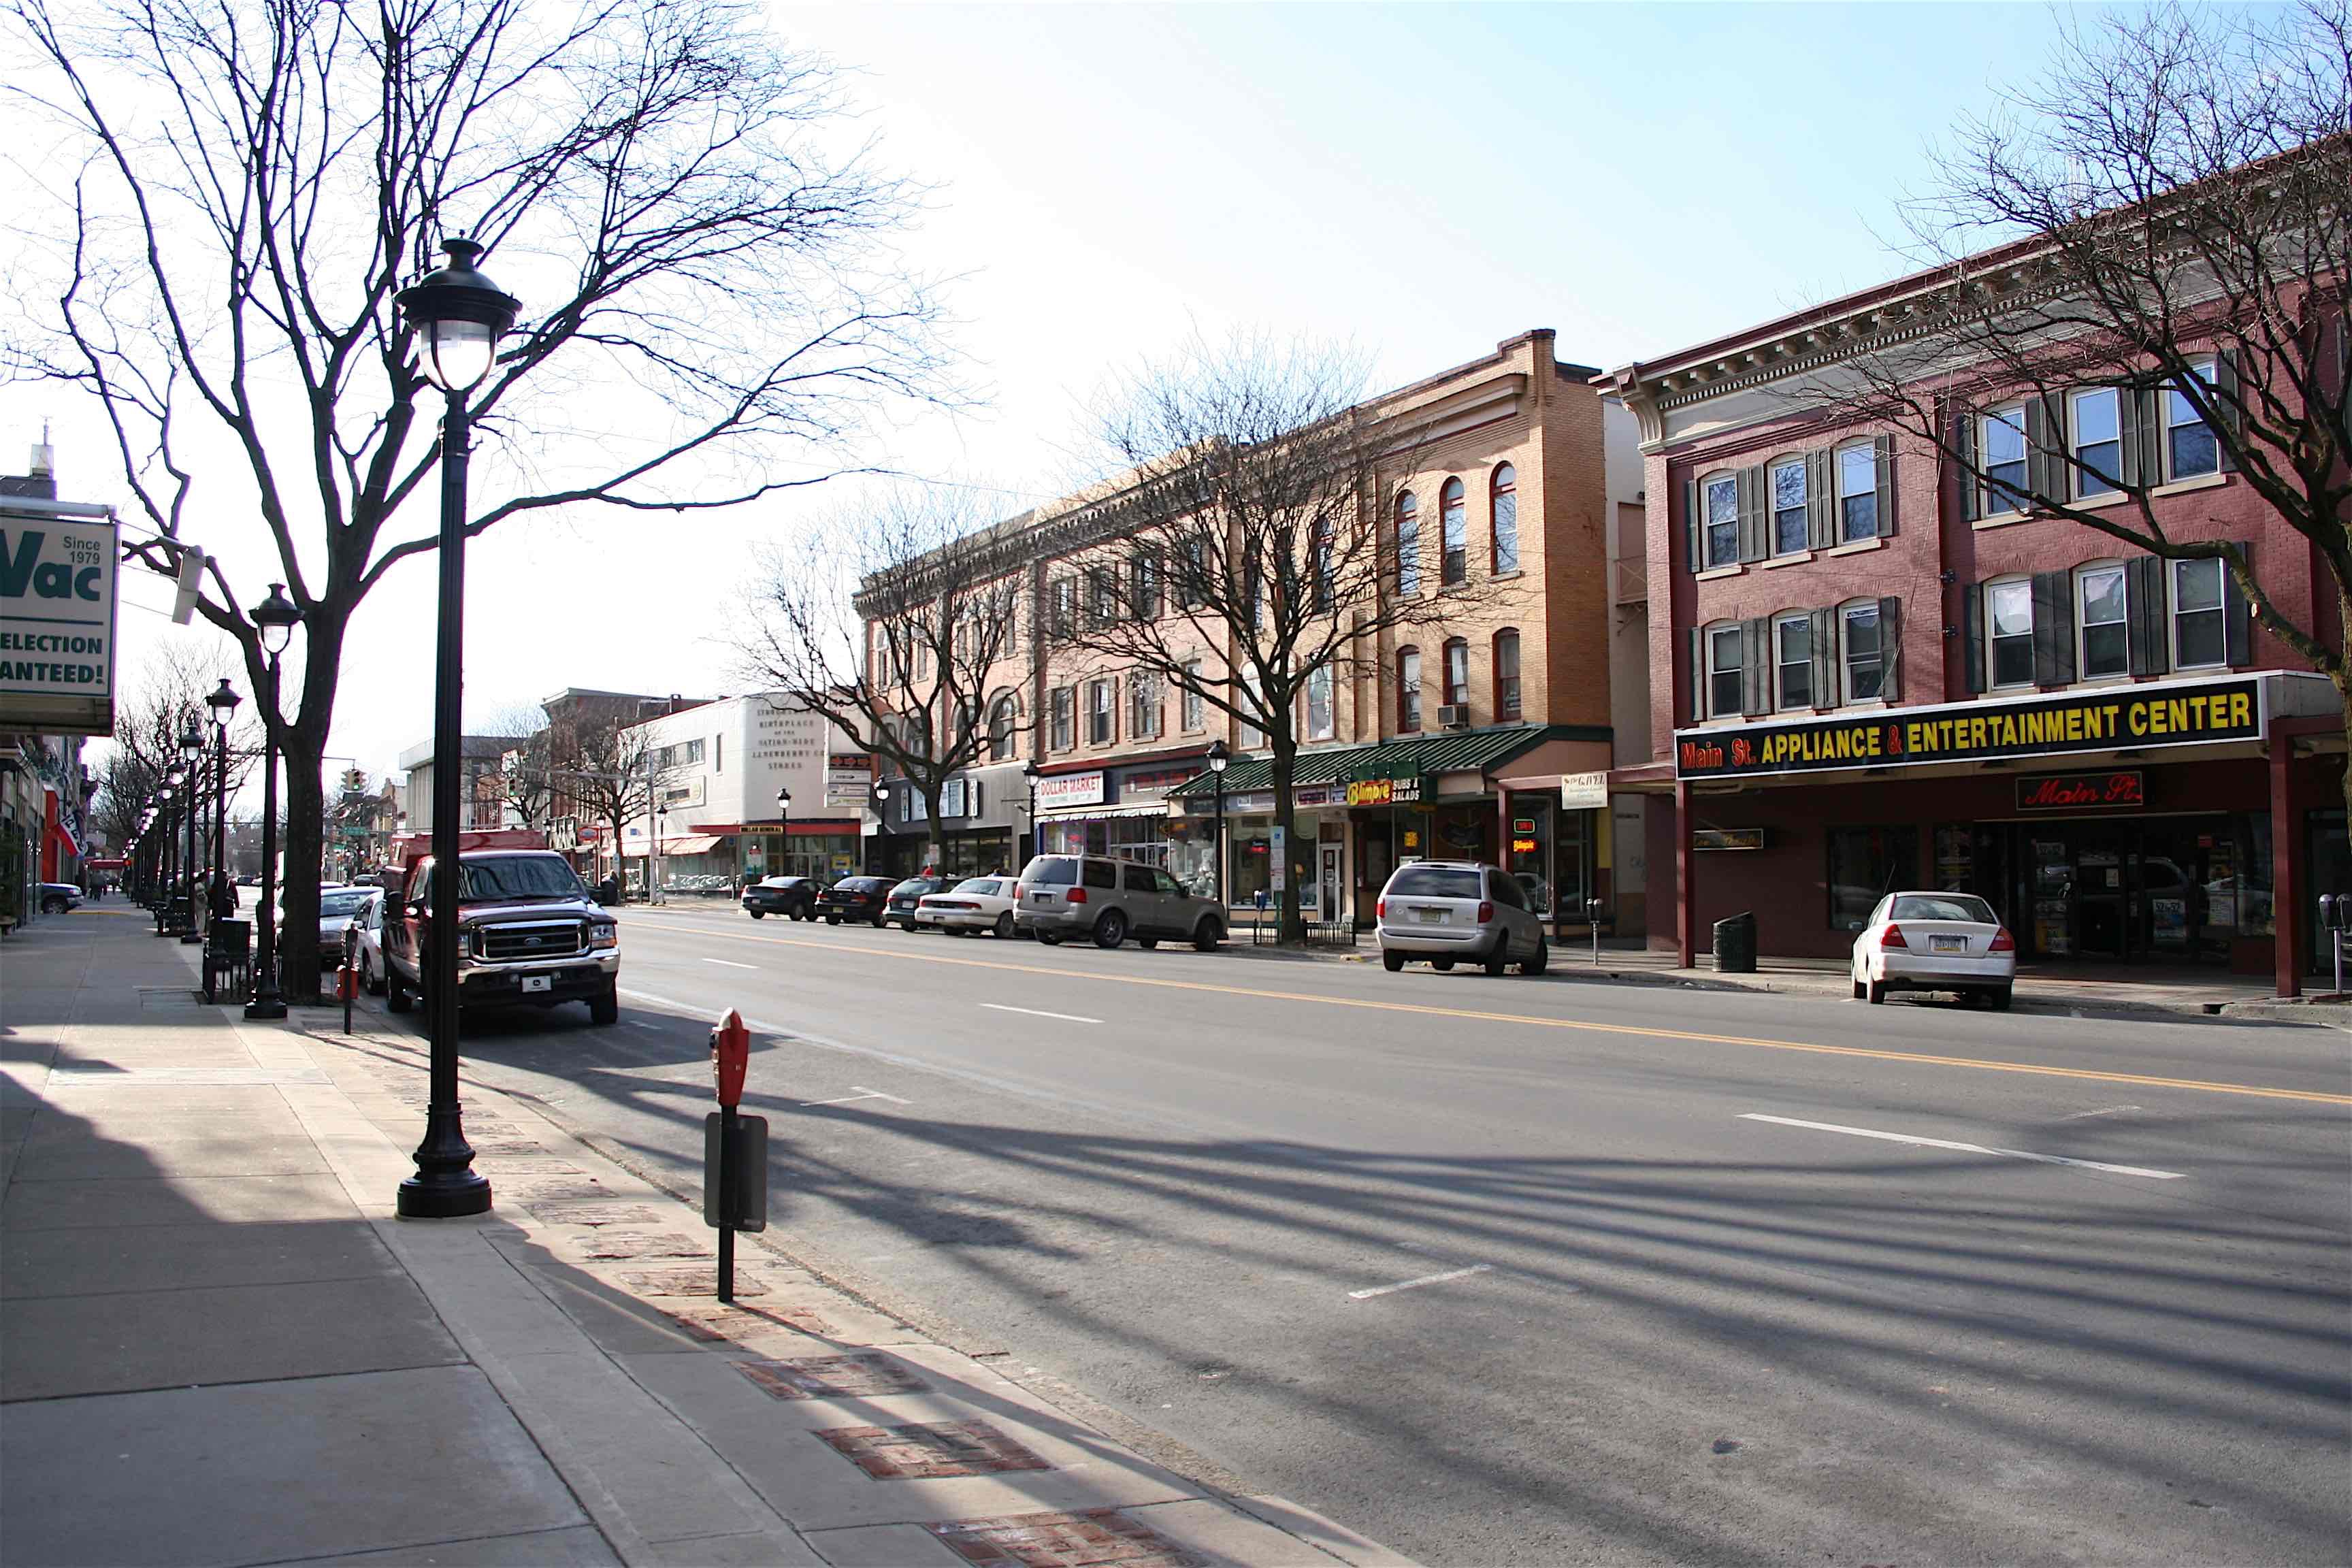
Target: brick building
[
  {"x": 1876, "y": 667},
  {"x": 1487, "y": 735}
]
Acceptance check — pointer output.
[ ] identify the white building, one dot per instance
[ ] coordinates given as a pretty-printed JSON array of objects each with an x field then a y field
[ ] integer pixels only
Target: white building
[{"x": 717, "y": 768}]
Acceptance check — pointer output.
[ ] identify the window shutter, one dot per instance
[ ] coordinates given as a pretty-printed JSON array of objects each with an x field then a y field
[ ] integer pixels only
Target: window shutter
[
  {"x": 2054, "y": 628},
  {"x": 1695, "y": 652},
  {"x": 1825, "y": 664},
  {"x": 2225, "y": 399},
  {"x": 2137, "y": 429},
  {"x": 1964, "y": 440},
  {"x": 2237, "y": 615},
  {"x": 2145, "y": 608},
  {"x": 1821, "y": 501},
  {"x": 1890, "y": 650},
  {"x": 1972, "y": 638},
  {"x": 1755, "y": 666},
  {"x": 1693, "y": 559},
  {"x": 1755, "y": 540},
  {"x": 1883, "y": 450},
  {"x": 2045, "y": 433}
]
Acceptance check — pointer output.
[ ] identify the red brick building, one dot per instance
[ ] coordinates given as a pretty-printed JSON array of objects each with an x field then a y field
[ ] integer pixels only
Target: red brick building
[{"x": 1876, "y": 667}]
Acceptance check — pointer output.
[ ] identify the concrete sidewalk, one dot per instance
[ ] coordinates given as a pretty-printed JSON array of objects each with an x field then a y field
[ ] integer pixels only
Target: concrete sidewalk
[{"x": 217, "y": 1345}]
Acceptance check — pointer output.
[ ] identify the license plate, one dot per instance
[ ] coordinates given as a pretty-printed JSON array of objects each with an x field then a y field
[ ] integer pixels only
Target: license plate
[
  {"x": 1041, "y": 898},
  {"x": 1947, "y": 944},
  {"x": 539, "y": 982},
  {"x": 1430, "y": 916}
]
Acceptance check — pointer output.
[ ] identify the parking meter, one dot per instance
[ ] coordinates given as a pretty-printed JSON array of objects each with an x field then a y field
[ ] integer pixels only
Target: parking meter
[
  {"x": 2335, "y": 913},
  {"x": 1593, "y": 913},
  {"x": 734, "y": 1151},
  {"x": 731, "y": 1054}
]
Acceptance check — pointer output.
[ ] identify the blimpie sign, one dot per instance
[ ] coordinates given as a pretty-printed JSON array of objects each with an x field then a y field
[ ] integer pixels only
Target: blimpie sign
[
  {"x": 2168, "y": 715},
  {"x": 2082, "y": 792}
]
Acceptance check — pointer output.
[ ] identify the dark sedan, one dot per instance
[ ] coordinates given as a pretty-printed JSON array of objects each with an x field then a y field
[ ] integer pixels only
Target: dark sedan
[
  {"x": 855, "y": 899},
  {"x": 910, "y": 893},
  {"x": 795, "y": 898}
]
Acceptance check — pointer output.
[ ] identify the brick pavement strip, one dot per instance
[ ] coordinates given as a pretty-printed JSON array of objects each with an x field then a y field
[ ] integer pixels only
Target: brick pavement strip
[
  {"x": 690, "y": 1282},
  {"x": 861, "y": 1376},
  {"x": 1095, "y": 1536},
  {"x": 717, "y": 1323},
  {"x": 623, "y": 1244},
  {"x": 930, "y": 1450},
  {"x": 560, "y": 1211}
]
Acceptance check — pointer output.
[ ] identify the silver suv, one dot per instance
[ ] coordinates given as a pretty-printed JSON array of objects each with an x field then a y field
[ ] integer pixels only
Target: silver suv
[
  {"x": 1109, "y": 900},
  {"x": 1446, "y": 910}
]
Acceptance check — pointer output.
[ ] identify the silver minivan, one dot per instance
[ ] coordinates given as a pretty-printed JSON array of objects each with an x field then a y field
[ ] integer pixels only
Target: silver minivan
[
  {"x": 1109, "y": 900},
  {"x": 1450, "y": 910}
]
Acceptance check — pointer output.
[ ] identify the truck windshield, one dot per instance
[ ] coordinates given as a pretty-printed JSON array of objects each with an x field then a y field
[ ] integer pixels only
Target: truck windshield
[{"x": 516, "y": 877}]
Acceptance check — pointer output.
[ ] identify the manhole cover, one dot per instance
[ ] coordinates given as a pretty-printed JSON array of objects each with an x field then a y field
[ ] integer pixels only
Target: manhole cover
[
  {"x": 832, "y": 1377},
  {"x": 930, "y": 1450},
  {"x": 1097, "y": 1535},
  {"x": 643, "y": 1244}
]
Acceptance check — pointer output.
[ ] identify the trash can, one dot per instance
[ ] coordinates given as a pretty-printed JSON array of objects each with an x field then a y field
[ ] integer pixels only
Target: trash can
[
  {"x": 229, "y": 960},
  {"x": 1735, "y": 944}
]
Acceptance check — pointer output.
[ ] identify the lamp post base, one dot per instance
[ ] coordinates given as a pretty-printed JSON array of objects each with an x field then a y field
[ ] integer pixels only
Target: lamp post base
[
  {"x": 270, "y": 1006},
  {"x": 445, "y": 1185}
]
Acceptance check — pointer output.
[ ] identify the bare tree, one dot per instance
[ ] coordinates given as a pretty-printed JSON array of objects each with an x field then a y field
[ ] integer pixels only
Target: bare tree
[
  {"x": 899, "y": 626},
  {"x": 246, "y": 184},
  {"x": 2182, "y": 181},
  {"x": 612, "y": 772},
  {"x": 1244, "y": 556},
  {"x": 526, "y": 771},
  {"x": 169, "y": 691}
]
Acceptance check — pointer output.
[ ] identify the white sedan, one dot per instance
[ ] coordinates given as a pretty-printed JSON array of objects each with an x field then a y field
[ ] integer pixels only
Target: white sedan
[
  {"x": 1934, "y": 942},
  {"x": 976, "y": 903}
]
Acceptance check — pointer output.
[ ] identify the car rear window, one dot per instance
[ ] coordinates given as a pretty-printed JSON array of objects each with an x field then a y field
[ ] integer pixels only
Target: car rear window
[
  {"x": 1051, "y": 871},
  {"x": 333, "y": 904},
  {"x": 1434, "y": 882},
  {"x": 1945, "y": 907},
  {"x": 983, "y": 886}
]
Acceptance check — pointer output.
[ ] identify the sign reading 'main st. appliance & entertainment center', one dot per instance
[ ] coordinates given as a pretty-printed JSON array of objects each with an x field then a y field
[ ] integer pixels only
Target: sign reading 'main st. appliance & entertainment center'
[{"x": 2169, "y": 715}]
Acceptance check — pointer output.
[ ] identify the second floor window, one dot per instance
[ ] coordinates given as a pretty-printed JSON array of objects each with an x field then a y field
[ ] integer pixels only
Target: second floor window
[
  {"x": 1793, "y": 644},
  {"x": 2095, "y": 439},
  {"x": 1723, "y": 671},
  {"x": 1788, "y": 525},
  {"x": 1408, "y": 690},
  {"x": 2001, "y": 443},
  {"x": 1327, "y": 571},
  {"x": 1195, "y": 708},
  {"x": 1507, "y": 519},
  {"x": 1857, "y": 481},
  {"x": 1865, "y": 652},
  {"x": 2190, "y": 447},
  {"x": 2199, "y": 637},
  {"x": 1457, "y": 673},
  {"x": 2106, "y": 638},
  {"x": 1143, "y": 705},
  {"x": 1099, "y": 715},
  {"x": 1003, "y": 727},
  {"x": 1064, "y": 704},
  {"x": 1506, "y": 675},
  {"x": 1065, "y": 607},
  {"x": 2008, "y": 621},
  {"x": 1192, "y": 573},
  {"x": 1408, "y": 545},
  {"x": 1102, "y": 598},
  {"x": 1319, "y": 720},
  {"x": 1454, "y": 530},
  {"x": 1720, "y": 496},
  {"x": 1145, "y": 593}
]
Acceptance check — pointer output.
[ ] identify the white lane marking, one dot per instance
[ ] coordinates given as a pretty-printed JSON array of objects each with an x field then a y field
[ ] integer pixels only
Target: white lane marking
[
  {"x": 1424, "y": 1279},
  {"x": 633, "y": 1024},
  {"x": 861, "y": 1094},
  {"x": 730, "y": 963},
  {"x": 2104, "y": 1110},
  {"x": 877, "y": 1094},
  {"x": 1039, "y": 1012},
  {"x": 1968, "y": 1148}
]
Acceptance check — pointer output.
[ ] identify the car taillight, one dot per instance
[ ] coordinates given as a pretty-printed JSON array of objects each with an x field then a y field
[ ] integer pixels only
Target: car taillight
[
  {"x": 1486, "y": 912},
  {"x": 2002, "y": 941},
  {"x": 1020, "y": 892},
  {"x": 1076, "y": 896},
  {"x": 1891, "y": 937},
  {"x": 1381, "y": 908}
]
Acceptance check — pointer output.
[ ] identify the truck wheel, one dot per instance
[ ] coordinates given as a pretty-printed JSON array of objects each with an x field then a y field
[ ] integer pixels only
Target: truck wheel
[
  {"x": 605, "y": 1006},
  {"x": 396, "y": 998}
]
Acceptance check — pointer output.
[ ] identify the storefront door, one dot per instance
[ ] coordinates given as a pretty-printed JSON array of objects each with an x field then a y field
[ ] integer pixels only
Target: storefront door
[{"x": 1331, "y": 879}]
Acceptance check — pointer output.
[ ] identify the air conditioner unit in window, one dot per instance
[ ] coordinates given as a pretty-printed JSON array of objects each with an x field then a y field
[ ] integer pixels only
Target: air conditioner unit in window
[{"x": 1453, "y": 716}]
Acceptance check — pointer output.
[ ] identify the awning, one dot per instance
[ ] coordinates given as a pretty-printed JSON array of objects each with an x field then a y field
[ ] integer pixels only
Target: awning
[
  {"x": 1468, "y": 751},
  {"x": 1103, "y": 813},
  {"x": 701, "y": 844}
]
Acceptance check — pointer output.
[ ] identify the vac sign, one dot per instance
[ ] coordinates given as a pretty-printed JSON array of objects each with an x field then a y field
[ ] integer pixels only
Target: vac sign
[{"x": 57, "y": 623}]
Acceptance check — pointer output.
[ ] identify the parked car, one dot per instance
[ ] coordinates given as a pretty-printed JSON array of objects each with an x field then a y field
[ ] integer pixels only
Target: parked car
[
  {"x": 1093, "y": 896},
  {"x": 856, "y": 898},
  {"x": 1451, "y": 911},
  {"x": 1934, "y": 942},
  {"x": 976, "y": 903},
  {"x": 528, "y": 935},
  {"x": 911, "y": 892},
  {"x": 338, "y": 909},
  {"x": 56, "y": 898},
  {"x": 371, "y": 943},
  {"x": 699, "y": 885},
  {"x": 795, "y": 898}
]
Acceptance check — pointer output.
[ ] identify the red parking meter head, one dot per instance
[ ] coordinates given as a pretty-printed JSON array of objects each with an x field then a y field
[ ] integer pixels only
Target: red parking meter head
[
  {"x": 347, "y": 983},
  {"x": 730, "y": 1052}
]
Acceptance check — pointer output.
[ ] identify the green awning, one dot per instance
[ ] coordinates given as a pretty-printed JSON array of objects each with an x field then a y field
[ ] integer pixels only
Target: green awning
[{"x": 1470, "y": 750}]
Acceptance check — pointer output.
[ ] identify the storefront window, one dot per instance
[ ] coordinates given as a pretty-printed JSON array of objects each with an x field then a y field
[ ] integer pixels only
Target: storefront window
[
  {"x": 1528, "y": 852},
  {"x": 1865, "y": 865},
  {"x": 1192, "y": 856},
  {"x": 1252, "y": 872}
]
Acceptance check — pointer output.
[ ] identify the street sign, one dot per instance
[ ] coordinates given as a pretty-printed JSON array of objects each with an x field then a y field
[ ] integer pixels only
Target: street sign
[{"x": 57, "y": 623}]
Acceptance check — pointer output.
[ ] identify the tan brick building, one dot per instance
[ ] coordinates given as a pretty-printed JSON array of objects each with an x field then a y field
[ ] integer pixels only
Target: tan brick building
[{"x": 1448, "y": 738}]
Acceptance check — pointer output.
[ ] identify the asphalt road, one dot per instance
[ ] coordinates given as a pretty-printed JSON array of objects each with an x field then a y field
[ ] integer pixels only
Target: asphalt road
[{"x": 1522, "y": 1271}]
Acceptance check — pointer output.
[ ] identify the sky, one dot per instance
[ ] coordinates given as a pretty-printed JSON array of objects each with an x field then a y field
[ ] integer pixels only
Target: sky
[{"x": 1420, "y": 181}]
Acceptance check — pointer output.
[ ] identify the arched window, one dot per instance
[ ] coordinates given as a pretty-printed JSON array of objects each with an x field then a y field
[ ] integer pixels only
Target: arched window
[
  {"x": 1457, "y": 673},
  {"x": 1408, "y": 545},
  {"x": 1505, "y": 510},
  {"x": 1408, "y": 690},
  {"x": 1452, "y": 534},
  {"x": 1003, "y": 724},
  {"x": 1506, "y": 675}
]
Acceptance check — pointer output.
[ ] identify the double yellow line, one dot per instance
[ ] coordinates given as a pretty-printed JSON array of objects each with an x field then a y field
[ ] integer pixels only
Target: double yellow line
[{"x": 1916, "y": 1059}]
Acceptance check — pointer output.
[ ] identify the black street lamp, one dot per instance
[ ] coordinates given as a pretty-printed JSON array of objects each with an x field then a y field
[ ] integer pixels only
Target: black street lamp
[
  {"x": 457, "y": 316},
  {"x": 1221, "y": 757},
  {"x": 166, "y": 912},
  {"x": 275, "y": 619},
  {"x": 784, "y": 827},
  {"x": 192, "y": 751},
  {"x": 1029, "y": 776},
  {"x": 223, "y": 702}
]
